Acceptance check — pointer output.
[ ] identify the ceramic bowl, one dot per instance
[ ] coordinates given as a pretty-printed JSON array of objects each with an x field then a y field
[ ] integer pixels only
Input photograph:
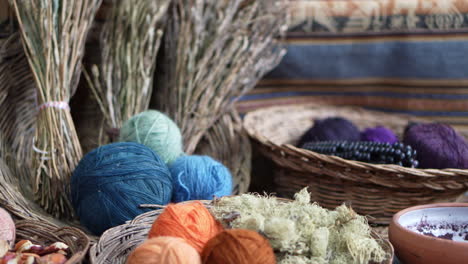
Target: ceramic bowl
[{"x": 431, "y": 234}]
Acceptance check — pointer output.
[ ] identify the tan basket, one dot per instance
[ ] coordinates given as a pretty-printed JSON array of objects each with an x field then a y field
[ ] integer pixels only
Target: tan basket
[
  {"x": 375, "y": 190},
  {"x": 116, "y": 244},
  {"x": 46, "y": 234}
]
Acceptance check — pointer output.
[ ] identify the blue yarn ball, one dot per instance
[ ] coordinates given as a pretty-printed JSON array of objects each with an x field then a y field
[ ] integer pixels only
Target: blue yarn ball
[
  {"x": 199, "y": 178},
  {"x": 111, "y": 182}
]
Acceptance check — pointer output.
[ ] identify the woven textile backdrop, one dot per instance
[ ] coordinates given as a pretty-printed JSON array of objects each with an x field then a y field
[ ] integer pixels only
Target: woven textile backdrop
[{"x": 405, "y": 56}]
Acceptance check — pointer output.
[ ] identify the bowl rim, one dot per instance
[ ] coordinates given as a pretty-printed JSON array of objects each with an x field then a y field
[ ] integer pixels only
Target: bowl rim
[{"x": 397, "y": 216}]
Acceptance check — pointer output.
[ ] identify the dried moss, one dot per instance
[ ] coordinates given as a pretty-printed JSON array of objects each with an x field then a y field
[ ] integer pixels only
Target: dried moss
[{"x": 303, "y": 232}]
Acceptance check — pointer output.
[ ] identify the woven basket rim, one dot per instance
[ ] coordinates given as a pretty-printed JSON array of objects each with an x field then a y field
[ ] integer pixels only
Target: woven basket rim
[
  {"x": 38, "y": 229},
  {"x": 252, "y": 133},
  {"x": 142, "y": 222}
]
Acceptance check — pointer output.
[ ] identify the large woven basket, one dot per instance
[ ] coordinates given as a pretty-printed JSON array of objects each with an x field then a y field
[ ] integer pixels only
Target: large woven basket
[
  {"x": 116, "y": 244},
  {"x": 378, "y": 191},
  {"x": 45, "y": 234}
]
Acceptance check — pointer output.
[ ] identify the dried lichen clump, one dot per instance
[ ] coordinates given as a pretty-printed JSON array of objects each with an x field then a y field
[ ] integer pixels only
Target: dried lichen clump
[{"x": 301, "y": 232}]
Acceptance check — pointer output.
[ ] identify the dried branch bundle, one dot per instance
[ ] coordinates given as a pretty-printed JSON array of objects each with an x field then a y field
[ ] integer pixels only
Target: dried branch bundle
[
  {"x": 130, "y": 40},
  {"x": 214, "y": 52},
  {"x": 54, "y": 35}
]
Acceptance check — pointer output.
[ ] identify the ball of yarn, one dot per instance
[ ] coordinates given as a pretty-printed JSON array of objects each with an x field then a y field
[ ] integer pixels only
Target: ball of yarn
[
  {"x": 111, "y": 182},
  {"x": 438, "y": 146},
  {"x": 199, "y": 178},
  {"x": 190, "y": 221},
  {"x": 7, "y": 227},
  {"x": 379, "y": 134},
  {"x": 238, "y": 246},
  {"x": 155, "y": 130},
  {"x": 331, "y": 129},
  {"x": 167, "y": 250}
]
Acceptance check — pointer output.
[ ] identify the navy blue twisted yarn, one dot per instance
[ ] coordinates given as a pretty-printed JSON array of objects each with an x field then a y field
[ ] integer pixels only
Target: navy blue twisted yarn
[{"x": 110, "y": 183}]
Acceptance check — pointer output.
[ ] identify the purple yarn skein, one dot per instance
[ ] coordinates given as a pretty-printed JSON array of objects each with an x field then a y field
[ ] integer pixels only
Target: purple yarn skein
[
  {"x": 439, "y": 146},
  {"x": 331, "y": 129},
  {"x": 379, "y": 134}
]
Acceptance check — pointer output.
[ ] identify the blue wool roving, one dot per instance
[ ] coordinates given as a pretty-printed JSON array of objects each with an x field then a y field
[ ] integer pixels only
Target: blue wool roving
[
  {"x": 110, "y": 183},
  {"x": 199, "y": 178}
]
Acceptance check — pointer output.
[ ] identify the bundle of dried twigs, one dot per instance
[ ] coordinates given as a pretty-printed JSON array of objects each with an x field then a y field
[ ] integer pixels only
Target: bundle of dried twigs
[
  {"x": 215, "y": 51},
  {"x": 130, "y": 40},
  {"x": 54, "y": 35}
]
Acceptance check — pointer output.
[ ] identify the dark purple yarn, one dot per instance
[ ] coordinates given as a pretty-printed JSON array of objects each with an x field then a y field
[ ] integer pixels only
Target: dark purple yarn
[
  {"x": 439, "y": 146},
  {"x": 379, "y": 134},
  {"x": 331, "y": 129}
]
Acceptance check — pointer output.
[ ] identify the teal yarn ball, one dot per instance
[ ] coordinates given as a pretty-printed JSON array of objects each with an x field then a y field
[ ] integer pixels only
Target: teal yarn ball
[
  {"x": 199, "y": 178},
  {"x": 111, "y": 182},
  {"x": 156, "y": 131}
]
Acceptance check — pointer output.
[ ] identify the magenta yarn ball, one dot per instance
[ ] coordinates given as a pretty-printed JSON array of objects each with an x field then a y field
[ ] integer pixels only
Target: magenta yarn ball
[{"x": 7, "y": 227}]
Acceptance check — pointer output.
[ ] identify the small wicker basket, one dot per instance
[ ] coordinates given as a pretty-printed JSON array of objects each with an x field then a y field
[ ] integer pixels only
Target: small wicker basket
[
  {"x": 45, "y": 234},
  {"x": 116, "y": 244},
  {"x": 378, "y": 191}
]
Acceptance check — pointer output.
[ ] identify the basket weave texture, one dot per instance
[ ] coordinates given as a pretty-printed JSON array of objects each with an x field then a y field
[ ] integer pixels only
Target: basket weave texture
[
  {"x": 375, "y": 190},
  {"x": 116, "y": 244},
  {"x": 45, "y": 234}
]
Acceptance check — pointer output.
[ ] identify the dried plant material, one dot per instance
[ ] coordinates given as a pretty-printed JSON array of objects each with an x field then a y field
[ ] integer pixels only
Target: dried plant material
[
  {"x": 301, "y": 232},
  {"x": 130, "y": 40},
  {"x": 54, "y": 35},
  {"x": 214, "y": 52}
]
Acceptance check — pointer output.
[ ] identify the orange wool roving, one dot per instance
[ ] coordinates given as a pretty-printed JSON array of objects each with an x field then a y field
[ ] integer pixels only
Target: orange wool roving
[
  {"x": 168, "y": 250},
  {"x": 190, "y": 221},
  {"x": 238, "y": 246}
]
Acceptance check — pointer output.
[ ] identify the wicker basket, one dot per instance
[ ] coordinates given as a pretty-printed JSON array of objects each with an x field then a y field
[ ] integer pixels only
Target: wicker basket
[
  {"x": 46, "y": 234},
  {"x": 375, "y": 190},
  {"x": 116, "y": 244}
]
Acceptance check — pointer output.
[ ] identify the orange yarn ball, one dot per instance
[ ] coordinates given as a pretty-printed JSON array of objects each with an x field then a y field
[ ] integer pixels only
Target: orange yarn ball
[
  {"x": 168, "y": 250},
  {"x": 190, "y": 221},
  {"x": 238, "y": 246}
]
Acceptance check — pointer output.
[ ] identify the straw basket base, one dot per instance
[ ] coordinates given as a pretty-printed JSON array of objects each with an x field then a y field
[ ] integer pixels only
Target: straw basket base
[{"x": 377, "y": 202}]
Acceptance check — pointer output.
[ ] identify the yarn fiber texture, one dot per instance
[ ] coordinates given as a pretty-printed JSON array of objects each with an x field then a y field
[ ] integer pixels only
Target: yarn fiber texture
[
  {"x": 439, "y": 146},
  {"x": 111, "y": 182},
  {"x": 331, "y": 129},
  {"x": 379, "y": 134},
  {"x": 199, "y": 178},
  {"x": 155, "y": 130},
  {"x": 167, "y": 250},
  {"x": 7, "y": 227},
  {"x": 238, "y": 246},
  {"x": 190, "y": 221}
]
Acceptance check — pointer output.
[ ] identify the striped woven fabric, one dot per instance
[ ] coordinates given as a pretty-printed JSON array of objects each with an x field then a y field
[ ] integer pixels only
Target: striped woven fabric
[{"x": 404, "y": 56}]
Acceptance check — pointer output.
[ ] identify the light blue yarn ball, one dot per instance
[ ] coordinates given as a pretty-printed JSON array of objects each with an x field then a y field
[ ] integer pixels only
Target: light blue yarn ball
[
  {"x": 111, "y": 182},
  {"x": 199, "y": 178},
  {"x": 156, "y": 131}
]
